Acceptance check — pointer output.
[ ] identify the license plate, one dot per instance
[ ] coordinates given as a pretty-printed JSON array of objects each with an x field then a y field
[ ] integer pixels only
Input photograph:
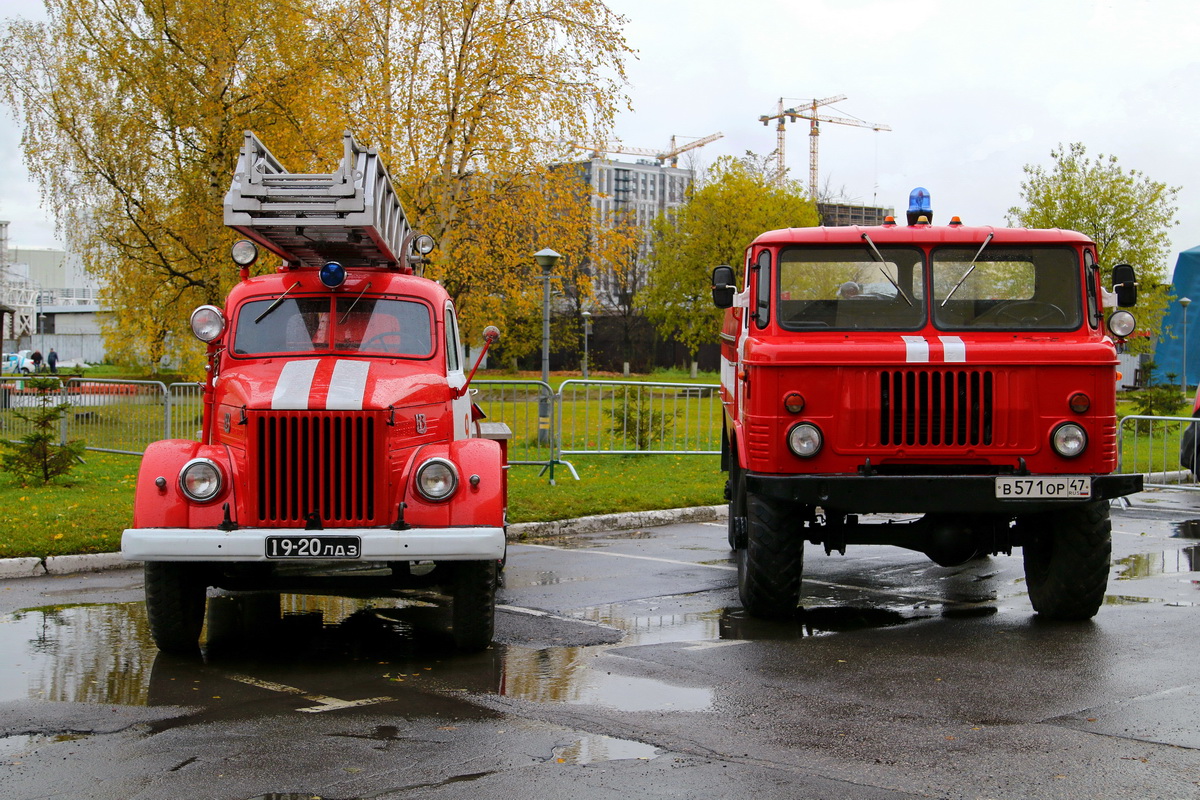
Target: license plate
[
  {"x": 1059, "y": 487},
  {"x": 331, "y": 547}
]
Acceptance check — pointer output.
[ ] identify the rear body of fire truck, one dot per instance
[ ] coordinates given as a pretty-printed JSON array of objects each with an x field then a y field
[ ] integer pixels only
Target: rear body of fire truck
[
  {"x": 339, "y": 453},
  {"x": 948, "y": 389}
]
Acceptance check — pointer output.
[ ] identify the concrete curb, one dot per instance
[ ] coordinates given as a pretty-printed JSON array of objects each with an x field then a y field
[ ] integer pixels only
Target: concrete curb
[{"x": 99, "y": 562}]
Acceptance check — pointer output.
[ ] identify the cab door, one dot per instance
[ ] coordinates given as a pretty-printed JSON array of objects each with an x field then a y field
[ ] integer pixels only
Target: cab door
[{"x": 456, "y": 378}]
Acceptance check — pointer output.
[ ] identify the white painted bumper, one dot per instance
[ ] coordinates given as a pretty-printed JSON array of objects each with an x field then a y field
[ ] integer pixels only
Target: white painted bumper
[{"x": 250, "y": 544}]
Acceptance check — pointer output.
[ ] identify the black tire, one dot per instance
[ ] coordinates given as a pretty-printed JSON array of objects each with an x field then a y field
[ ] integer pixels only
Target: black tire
[
  {"x": 474, "y": 604},
  {"x": 737, "y": 508},
  {"x": 1187, "y": 448},
  {"x": 771, "y": 564},
  {"x": 1067, "y": 557},
  {"x": 175, "y": 600}
]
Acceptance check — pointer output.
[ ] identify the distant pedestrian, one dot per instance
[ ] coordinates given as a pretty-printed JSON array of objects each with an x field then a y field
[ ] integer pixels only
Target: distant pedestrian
[
  {"x": 52, "y": 361},
  {"x": 36, "y": 358}
]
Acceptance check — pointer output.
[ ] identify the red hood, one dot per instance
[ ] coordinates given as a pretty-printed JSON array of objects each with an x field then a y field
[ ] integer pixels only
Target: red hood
[{"x": 329, "y": 383}]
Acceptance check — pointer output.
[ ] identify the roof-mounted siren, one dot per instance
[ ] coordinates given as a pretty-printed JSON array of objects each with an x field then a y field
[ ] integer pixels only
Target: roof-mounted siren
[
  {"x": 416, "y": 250},
  {"x": 919, "y": 206}
]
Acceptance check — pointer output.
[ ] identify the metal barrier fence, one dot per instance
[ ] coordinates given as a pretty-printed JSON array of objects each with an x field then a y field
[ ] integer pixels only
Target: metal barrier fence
[
  {"x": 111, "y": 416},
  {"x": 584, "y": 417},
  {"x": 1152, "y": 446}
]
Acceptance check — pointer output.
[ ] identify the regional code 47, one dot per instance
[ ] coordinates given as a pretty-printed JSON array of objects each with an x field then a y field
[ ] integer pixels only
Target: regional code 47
[{"x": 1062, "y": 486}]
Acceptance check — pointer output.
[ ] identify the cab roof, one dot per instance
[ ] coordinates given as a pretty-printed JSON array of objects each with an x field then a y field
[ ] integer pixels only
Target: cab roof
[{"x": 920, "y": 235}]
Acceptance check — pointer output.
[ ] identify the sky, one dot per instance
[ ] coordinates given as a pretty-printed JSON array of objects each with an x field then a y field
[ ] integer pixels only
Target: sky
[{"x": 972, "y": 91}]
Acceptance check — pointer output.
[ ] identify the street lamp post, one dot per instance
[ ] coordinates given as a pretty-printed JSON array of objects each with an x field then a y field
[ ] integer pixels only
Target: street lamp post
[
  {"x": 547, "y": 259},
  {"x": 587, "y": 329},
  {"x": 1185, "y": 302}
]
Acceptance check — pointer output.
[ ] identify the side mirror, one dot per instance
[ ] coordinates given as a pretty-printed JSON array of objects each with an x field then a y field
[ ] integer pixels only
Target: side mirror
[
  {"x": 723, "y": 286},
  {"x": 1124, "y": 283}
]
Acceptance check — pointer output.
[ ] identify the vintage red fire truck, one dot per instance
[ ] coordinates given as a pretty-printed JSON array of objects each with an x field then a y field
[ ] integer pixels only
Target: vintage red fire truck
[
  {"x": 962, "y": 375},
  {"x": 340, "y": 451}
]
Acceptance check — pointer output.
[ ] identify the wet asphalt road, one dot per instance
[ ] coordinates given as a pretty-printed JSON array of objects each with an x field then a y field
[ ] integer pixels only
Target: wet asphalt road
[{"x": 624, "y": 667}]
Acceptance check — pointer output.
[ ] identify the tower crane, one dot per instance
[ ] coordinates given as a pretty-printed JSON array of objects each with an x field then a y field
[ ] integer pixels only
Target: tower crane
[
  {"x": 672, "y": 153},
  {"x": 808, "y": 111}
]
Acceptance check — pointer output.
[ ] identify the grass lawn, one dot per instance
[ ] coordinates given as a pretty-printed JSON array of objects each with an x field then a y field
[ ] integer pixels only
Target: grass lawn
[{"x": 86, "y": 512}]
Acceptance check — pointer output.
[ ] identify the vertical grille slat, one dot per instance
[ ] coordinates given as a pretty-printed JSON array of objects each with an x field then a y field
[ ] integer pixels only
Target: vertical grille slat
[
  {"x": 936, "y": 408},
  {"x": 305, "y": 463}
]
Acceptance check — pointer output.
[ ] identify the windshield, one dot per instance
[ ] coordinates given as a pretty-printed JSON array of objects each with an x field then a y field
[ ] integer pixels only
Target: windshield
[
  {"x": 1006, "y": 288},
  {"x": 850, "y": 288},
  {"x": 371, "y": 325}
]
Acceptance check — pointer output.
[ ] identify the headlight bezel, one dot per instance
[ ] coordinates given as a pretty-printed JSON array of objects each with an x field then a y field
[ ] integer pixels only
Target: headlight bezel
[
  {"x": 805, "y": 440},
  {"x": 207, "y": 323},
  {"x": 1060, "y": 443},
  {"x": 191, "y": 473},
  {"x": 433, "y": 472}
]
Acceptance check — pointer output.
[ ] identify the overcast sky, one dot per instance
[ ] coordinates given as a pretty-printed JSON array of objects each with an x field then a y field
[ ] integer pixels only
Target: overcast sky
[{"x": 972, "y": 91}]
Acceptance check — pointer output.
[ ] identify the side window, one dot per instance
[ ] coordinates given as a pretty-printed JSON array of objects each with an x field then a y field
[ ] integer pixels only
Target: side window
[
  {"x": 453, "y": 348},
  {"x": 1091, "y": 278},
  {"x": 762, "y": 313}
]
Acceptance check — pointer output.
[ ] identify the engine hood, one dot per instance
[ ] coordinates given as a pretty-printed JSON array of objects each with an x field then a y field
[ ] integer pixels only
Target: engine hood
[{"x": 333, "y": 384}]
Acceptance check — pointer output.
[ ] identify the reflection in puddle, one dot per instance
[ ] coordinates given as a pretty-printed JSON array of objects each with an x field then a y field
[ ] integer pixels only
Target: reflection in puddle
[
  {"x": 1169, "y": 562},
  {"x": 13, "y": 747},
  {"x": 594, "y": 749},
  {"x": 565, "y": 675},
  {"x": 1188, "y": 529}
]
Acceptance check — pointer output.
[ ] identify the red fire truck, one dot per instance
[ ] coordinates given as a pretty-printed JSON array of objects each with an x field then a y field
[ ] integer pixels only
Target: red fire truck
[
  {"x": 340, "y": 451},
  {"x": 963, "y": 376}
]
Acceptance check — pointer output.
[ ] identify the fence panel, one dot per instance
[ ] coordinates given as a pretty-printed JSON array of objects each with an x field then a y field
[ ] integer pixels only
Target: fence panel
[
  {"x": 527, "y": 407},
  {"x": 115, "y": 416},
  {"x": 185, "y": 410},
  {"x": 1151, "y": 446},
  {"x": 627, "y": 417}
]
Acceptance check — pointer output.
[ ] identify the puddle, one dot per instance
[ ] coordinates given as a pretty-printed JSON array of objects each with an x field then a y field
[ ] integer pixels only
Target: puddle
[
  {"x": 594, "y": 749},
  {"x": 13, "y": 747},
  {"x": 811, "y": 621},
  {"x": 1188, "y": 529},
  {"x": 1168, "y": 562}
]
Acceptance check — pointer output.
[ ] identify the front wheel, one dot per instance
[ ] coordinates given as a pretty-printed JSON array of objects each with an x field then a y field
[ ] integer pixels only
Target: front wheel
[
  {"x": 474, "y": 604},
  {"x": 771, "y": 564},
  {"x": 1067, "y": 556},
  {"x": 175, "y": 600}
]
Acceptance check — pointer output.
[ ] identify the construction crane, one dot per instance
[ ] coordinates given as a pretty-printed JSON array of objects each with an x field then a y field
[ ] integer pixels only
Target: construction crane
[
  {"x": 809, "y": 112},
  {"x": 670, "y": 154}
]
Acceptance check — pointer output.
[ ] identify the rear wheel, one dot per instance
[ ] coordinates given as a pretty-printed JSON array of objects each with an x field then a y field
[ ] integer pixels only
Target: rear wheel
[
  {"x": 771, "y": 564},
  {"x": 474, "y": 604},
  {"x": 1067, "y": 556},
  {"x": 175, "y": 600}
]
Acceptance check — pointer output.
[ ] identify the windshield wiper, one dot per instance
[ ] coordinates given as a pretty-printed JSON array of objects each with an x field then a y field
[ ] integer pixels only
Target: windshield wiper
[
  {"x": 882, "y": 261},
  {"x": 970, "y": 269},
  {"x": 352, "y": 305},
  {"x": 275, "y": 305}
]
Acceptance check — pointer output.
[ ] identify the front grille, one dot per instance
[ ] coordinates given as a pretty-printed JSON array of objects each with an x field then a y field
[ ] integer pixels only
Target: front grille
[
  {"x": 303, "y": 463},
  {"x": 936, "y": 407}
]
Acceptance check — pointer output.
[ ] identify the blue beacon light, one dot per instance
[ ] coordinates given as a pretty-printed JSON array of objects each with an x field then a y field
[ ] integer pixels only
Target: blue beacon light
[
  {"x": 919, "y": 205},
  {"x": 333, "y": 274}
]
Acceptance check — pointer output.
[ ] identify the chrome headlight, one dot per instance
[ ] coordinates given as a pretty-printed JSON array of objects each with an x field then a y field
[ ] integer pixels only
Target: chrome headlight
[
  {"x": 208, "y": 323},
  {"x": 1069, "y": 440},
  {"x": 437, "y": 479},
  {"x": 1121, "y": 323},
  {"x": 805, "y": 440},
  {"x": 200, "y": 480}
]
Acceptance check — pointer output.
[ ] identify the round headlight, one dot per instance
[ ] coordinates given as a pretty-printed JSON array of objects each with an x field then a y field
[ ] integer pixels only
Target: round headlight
[
  {"x": 1069, "y": 440},
  {"x": 1121, "y": 323},
  {"x": 805, "y": 440},
  {"x": 437, "y": 479},
  {"x": 333, "y": 274},
  {"x": 208, "y": 323},
  {"x": 200, "y": 480},
  {"x": 424, "y": 244},
  {"x": 244, "y": 252}
]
